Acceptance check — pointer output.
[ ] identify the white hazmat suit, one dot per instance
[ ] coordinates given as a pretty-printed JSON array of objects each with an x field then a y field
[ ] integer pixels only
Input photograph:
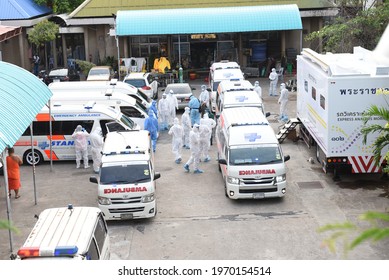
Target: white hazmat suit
[
  {"x": 173, "y": 106},
  {"x": 96, "y": 141},
  {"x": 194, "y": 138},
  {"x": 283, "y": 101},
  {"x": 163, "y": 110},
  {"x": 204, "y": 99},
  {"x": 273, "y": 77},
  {"x": 80, "y": 137},
  {"x": 205, "y": 133},
  {"x": 186, "y": 125},
  {"x": 211, "y": 124},
  {"x": 258, "y": 89},
  {"x": 177, "y": 132}
]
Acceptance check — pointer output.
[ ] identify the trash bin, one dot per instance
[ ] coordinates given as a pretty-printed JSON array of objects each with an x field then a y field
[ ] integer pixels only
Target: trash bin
[{"x": 289, "y": 67}]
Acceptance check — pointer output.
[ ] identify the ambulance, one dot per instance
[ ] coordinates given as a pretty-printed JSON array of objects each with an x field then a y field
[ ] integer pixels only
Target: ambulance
[
  {"x": 67, "y": 233},
  {"x": 126, "y": 188},
  {"x": 126, "y": 104},
  {"x": 222, "y": 71},
  {"x": 64, "y": 120},
  {"x": 250, "y": 158}
]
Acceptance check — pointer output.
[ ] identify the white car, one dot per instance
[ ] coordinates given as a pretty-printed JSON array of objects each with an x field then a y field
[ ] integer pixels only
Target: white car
[
  {"x": 100, "y": 73},
  {"x": 182, "y": 91},
  {"x": 145, "y": 82}
]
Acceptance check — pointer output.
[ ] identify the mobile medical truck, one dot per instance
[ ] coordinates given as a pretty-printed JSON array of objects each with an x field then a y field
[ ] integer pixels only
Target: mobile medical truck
[
  {"x": 67, "y": 233},
  {"x": 126, "y": 189},
  {"x": 333, "y": 92},
  {"x": 249, "y": 155},
  {"x": 221, "y": 71},
  {"x": 64, "y": 120}
]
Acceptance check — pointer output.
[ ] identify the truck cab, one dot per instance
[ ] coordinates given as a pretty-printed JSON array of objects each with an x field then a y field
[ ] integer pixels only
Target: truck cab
[{"x": 126, "y": 189}]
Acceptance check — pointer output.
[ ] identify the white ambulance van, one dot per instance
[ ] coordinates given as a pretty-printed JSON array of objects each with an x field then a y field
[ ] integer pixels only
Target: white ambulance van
[
  {"x": 222, "y": 71},
  {"x": 126, "y": 189},
  {"x": 112, "y": 86},
  {"x": 249, "y": 155},
  {"x": 120, "y": 101},
  {"x": 67, "y": 233},
  {"x": 64, "y": 119}
]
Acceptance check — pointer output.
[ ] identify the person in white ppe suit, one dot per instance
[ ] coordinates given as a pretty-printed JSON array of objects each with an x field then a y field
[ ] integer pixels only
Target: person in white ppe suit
[
  {"x": 186, "y": 125},
  {"x": 211, "y": 124},
  {"x": 204, "y": 100},
  {"x": 96, "y": 141},
  {"x": 283, "y": 101},
  {"x": 194, "y": 137},
  {"x": 173, "y": 106},
  {"x": 163, "y": 110},
  {"x": 258, "y": 89},
  {"x": 205, "y": 133},
  {"x": 177, "y": 132},
  {"x": 80, "y": 137},
  {"x": 273, "y": 77}
]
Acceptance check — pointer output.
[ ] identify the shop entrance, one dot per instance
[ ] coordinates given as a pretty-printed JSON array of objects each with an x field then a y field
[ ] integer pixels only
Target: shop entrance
[{"x": 201, "y": 54}]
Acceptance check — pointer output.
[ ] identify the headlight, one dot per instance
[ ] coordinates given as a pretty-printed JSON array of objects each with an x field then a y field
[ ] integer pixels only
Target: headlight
[
  {"x": 148, "y": 198},
  {"x": 233, "y": 180},
  {"x": 281, "y": 178},
  {"x": 103, "y": 200}
]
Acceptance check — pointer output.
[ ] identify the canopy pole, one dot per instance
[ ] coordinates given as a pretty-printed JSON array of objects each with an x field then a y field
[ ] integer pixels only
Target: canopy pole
[
  {"x": 33, "y": 162},
  {"x": 9, "y": 210},
  {"x": 51, "y": 137}
]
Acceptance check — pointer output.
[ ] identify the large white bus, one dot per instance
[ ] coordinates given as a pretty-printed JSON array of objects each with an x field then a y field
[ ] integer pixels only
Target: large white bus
[{"x": 64, "y": 120}]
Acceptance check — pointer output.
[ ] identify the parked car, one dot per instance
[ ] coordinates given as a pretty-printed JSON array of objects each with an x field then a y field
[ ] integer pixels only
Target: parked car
[
  {"x": 101, "y": 73},
  {"x": 145, "y": 82},
  {"x": 182, "y": 91},
  {"x": 62, "y": 75}
]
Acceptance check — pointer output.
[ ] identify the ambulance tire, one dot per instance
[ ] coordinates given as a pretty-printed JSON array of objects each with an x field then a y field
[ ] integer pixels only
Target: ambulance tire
[
  {"x": 27, "y": 157},
  {"x": 225, "y": 188}
]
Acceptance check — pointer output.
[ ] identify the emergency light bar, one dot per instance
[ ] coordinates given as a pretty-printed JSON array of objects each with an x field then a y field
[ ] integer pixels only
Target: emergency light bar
[
  {"x": 60, "y": 251},
  {"x": 244, "y": 124}
]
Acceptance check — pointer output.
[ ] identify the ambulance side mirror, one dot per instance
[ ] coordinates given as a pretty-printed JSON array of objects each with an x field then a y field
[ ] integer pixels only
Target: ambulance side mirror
[
  {"x": 157, "y": 175},
  {"x": 267, "y": 114},
  {"x": 93, "y": 179},
  {"x": 286, "y": 158},
  {"x": 222, "y": 161}
]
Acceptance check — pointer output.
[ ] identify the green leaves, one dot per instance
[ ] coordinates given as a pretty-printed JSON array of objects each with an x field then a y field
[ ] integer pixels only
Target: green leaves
[
  {"x": 60, "y": 6},
  {"x": 44, "y": 31}
]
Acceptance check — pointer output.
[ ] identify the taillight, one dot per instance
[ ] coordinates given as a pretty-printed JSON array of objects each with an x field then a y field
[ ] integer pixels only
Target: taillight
[{"x": 146, "y": 88}]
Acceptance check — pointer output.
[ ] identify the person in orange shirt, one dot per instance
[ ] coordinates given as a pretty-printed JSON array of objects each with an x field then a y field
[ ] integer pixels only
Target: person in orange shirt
[{"x": 13, "y": 172}]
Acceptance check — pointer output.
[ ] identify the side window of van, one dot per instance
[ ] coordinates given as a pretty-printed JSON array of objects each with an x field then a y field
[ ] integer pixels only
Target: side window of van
[
  {"x": 57, "y": 127},
  {"x": 93, "y": 252},
  {"x": 101, "y": 232},
  {"x": 131, "y": 112}
]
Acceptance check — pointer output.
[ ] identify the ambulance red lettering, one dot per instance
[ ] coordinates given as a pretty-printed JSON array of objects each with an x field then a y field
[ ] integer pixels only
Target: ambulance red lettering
[
  {"x": 257, "y": 172},
  {"x": 125, "y": 190}
]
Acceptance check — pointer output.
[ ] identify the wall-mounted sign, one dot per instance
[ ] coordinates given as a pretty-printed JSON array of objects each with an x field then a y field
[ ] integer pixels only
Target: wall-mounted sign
[{"x": 202, "y": 36}]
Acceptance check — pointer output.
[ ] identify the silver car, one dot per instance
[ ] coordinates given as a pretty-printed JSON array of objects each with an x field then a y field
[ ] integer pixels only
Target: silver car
[{"x": 182, "y": 91}]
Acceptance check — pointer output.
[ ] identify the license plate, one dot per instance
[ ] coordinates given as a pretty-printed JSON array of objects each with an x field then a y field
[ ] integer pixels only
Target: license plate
[
  {"x": 126, "y": 216},
  {"x": 258, "y": 195},
  {"x": 56, "y": 80}
]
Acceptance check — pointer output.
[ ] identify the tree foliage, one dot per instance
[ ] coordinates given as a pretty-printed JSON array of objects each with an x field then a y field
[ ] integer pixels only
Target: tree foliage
[
  {"x": 355, "y": 25},
  {"x": 60, "y": 6},
  {"x": 377, "y": 231},
  {"x": 44, "y": 31}
]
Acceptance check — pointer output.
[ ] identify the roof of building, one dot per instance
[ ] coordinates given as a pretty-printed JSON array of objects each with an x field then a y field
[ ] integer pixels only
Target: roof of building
[
  {"x": 21, "y": 9},
  {"x": 208, "y": 20},
  {"x": 7, "y": 32},
  {"x": 22, "y": 96},
  {"x": 104, "y": 8}
]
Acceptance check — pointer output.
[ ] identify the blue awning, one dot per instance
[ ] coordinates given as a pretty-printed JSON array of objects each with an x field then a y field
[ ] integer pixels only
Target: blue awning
[
  {"x": 22, "y": 96},
  {"x": 208, "y": 20}
]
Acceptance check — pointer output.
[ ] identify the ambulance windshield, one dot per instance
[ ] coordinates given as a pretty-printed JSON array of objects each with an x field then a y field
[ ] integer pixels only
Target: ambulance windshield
[
  {"x": 125, "y": 174},
  {"x": 255, "y": 155}
]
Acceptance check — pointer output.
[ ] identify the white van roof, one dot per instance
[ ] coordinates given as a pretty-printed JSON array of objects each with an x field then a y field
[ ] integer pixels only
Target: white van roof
[
  {"x": 242, "y": 116},
  {"x": 228, "y": 85},
  {"x": 64, "y": 231},
  {"x": 252, "y": 134},
  {"x": 224, "y": 64},
  {"x": 121, "y": 143},
  {"x": 79, "y": 110},
  {"x": 92, "y": 85},
  {"x": 228, "y": 74},
  {"x": 241, "y": 98}
]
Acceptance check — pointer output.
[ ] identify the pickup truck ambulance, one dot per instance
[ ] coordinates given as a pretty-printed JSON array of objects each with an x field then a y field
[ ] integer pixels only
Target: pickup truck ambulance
[
  {"x": 333, "y": 92},
  {"x": 126, "y": 189},
  {"x": 67, "y": 233},
  {"x": 249, "y": 155}
]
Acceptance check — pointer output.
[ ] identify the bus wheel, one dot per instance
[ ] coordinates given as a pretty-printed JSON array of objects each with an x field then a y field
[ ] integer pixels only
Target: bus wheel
[{"x": 27, "y": 157}]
